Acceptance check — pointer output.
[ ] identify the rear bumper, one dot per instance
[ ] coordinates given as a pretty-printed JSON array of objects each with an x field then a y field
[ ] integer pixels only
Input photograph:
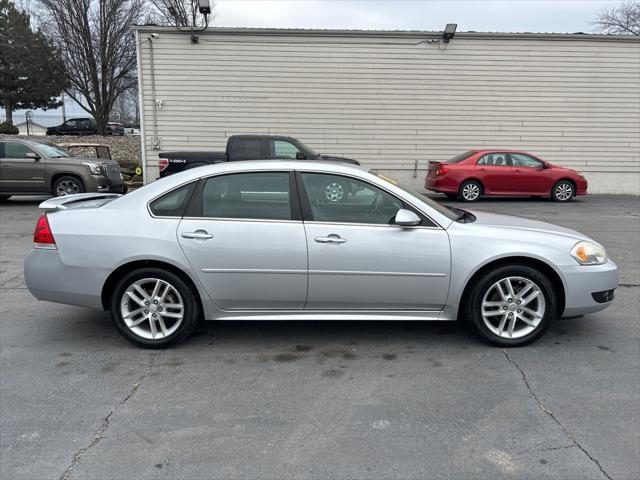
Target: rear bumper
[
  {"x": 441, "y": 184},
  {"x": 47, "y": 278},
  {"x": 582, "y": 281}
]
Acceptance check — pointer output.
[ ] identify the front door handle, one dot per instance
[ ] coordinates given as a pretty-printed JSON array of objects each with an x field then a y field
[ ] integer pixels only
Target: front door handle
[
  {"x": 333, "y": 238},
  {"x": 198, "y": 235}
]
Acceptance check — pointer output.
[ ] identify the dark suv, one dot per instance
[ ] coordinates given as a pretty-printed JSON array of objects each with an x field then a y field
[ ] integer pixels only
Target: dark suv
[
  {"x": 75, "y": 126},
  {"x": 28, "y": 168}
]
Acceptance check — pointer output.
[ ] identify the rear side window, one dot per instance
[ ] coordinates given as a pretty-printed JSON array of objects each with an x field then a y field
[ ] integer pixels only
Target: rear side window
[
  {"x": 247, "y": 148},
  {"x": 461, "y": 157},
  {"x": 259, "y": 196},
  {"x": 174, "y": 203}
]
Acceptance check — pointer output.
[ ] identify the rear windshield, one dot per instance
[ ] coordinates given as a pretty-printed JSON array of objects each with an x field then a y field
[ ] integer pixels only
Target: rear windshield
[{"x": 462, "y": 156}]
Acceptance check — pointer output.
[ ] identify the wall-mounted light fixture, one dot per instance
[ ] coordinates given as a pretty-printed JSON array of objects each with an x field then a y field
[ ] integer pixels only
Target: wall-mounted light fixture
[{"x": 449, "y": 32}]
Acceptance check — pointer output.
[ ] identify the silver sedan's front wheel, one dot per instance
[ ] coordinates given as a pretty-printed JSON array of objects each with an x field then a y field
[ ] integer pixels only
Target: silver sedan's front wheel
[
  {"x": 513, "y": 307},
  {"x": 154, "y": 308},
  {"x": 510, "y": 305}
]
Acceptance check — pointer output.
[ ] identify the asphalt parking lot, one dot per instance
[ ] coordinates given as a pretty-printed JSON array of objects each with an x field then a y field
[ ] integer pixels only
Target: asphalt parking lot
[{"x": 323, "y": 400}]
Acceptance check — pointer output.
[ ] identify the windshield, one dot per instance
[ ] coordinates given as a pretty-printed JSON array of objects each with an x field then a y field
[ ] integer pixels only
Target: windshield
[
  {"x": 460, "y": 157},
  {"x": 446, "y": 211},
  {"x": 52, "y": 151}
]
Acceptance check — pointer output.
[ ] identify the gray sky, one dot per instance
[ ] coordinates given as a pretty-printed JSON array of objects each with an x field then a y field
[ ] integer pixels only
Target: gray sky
[{"x": 477, "y": 15}]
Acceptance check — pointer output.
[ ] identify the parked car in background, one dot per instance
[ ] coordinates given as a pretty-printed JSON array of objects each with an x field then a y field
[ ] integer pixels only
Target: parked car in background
[
  {"x": 475, "y": 173},
  {"x": 75, "y": 126},
  {"x": 245, "y": 147},
  {"x": 261, "y": 241},
  {"x": 114, "y": 128},
  {"x": 28, "y": 167}
]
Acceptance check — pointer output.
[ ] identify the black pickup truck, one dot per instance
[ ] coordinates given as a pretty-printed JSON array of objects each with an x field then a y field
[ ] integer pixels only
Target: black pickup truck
[{"x": 244, "y": 147}]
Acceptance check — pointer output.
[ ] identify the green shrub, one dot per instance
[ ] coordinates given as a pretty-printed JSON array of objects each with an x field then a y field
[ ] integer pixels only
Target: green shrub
[{"x": 8, "y": 129}]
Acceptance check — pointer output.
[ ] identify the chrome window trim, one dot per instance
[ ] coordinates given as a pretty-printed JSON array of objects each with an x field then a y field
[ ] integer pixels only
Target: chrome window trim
[
  {"x": 252, "y": 220},
  {"x": 379, "y": 225}
]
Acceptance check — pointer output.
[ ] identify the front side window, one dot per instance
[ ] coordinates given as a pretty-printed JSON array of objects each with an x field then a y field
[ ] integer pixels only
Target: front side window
[
  {"x": 16, "y": 150},
  {"x": 494, "y": 159},
  {"x": 337, "y": 199},
  {"x": 71, "y": 124},
  {"x": 283, "y": 149},
  {"x": 259, "y": 196},
  {"x": 521, "y": 160}
]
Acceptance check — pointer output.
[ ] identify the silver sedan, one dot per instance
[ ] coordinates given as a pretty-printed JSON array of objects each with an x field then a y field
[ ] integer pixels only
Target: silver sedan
[{"x": 288, "y": 240}]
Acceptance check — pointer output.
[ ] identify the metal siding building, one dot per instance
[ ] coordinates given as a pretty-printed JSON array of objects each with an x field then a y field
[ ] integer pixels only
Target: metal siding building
[{"x": 395, "y": 100}]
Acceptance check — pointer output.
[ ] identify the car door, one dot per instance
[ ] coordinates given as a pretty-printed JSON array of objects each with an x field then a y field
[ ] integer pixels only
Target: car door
[
  {"x": 69, "y": 127},
  {"x": 245, "y": 240},
  {"x": 495, "y": 172},
  {"x": 359, "y": 260},
  {"x": 530, "y": 175},
  {"x": 20, "y": 172}
]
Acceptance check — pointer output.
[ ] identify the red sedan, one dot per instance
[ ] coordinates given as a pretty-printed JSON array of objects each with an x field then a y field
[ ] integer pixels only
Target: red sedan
[{"x": 503, "y": 172}]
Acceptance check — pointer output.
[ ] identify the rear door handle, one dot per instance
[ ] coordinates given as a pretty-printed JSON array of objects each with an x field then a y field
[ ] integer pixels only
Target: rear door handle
[
  {"x": 198, "y": 235},
  {"x": 333, "y": 238}
]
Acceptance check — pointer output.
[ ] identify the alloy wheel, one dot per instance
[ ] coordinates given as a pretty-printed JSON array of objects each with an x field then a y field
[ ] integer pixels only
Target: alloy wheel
[
  {"x": 471, "y": 191},
  {"x": 152, "y": 308},
  {"x": 564, "y": 192},
  {"x": 67, "y": 187},
  {"x": 513, "y": 307}
]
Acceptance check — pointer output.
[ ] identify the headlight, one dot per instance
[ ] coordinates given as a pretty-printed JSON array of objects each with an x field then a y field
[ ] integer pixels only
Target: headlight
[
  {"x": 589, "y": 253},
  {"x": 94, "y": 168}
]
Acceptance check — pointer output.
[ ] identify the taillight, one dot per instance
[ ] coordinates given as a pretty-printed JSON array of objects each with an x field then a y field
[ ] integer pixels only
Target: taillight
[
  {"x": 441, "y": 171},
  {"x": 43, "y": 236},
  {"x": 163, "y": 163}
]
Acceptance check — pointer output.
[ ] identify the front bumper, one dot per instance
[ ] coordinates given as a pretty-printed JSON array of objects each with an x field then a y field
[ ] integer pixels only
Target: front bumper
[
  {"x": 582, "y": 281},
  {"x": 47, "y": 278},
  {"x": 102, "y": 184}
]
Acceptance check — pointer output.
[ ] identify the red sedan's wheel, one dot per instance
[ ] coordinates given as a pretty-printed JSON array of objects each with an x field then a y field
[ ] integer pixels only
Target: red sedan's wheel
[
  {"x": 470, "y": 191},
  {"x": 563, "y": 191}
]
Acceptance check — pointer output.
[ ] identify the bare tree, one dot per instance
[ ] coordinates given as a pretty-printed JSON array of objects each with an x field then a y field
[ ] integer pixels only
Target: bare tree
[
  {"x": 181, "y": 13},
  {"x": 98, "y": 49},
  {"x": 621, "y": 20}
]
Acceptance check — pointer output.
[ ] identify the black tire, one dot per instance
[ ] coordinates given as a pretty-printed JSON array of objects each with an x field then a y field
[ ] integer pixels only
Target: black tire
[
  {"x": 472, "y": 306},
  {"x": 68, "y": 183},
  {"x": 563, "y": 191},
  {"x": 191, "y": 311},
  {"x": 470, "y": 191}
]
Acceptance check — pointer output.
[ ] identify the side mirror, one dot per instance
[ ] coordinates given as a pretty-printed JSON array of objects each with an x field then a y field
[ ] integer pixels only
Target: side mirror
[
  {"x": 32, "y": 155},
  {"x": 300, "y": 156},
  {"x": 406, "y": 218}
]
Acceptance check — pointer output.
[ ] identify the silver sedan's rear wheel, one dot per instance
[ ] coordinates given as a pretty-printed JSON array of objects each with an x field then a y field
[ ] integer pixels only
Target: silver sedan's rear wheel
[
  {"x": 511, "y": 305},
  {"x": 154, "y": 308}
]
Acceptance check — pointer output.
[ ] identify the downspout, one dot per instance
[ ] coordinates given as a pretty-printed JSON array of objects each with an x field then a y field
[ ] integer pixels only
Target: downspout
[
  {"x": 156, "y": 138},
  {"x": 143, "y": 140}
]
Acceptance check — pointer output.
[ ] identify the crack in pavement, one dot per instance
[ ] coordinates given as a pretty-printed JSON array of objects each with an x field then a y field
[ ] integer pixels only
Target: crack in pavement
[
  {"x": 549, "y": 413},
  {"x": 105, "y": 422}
]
